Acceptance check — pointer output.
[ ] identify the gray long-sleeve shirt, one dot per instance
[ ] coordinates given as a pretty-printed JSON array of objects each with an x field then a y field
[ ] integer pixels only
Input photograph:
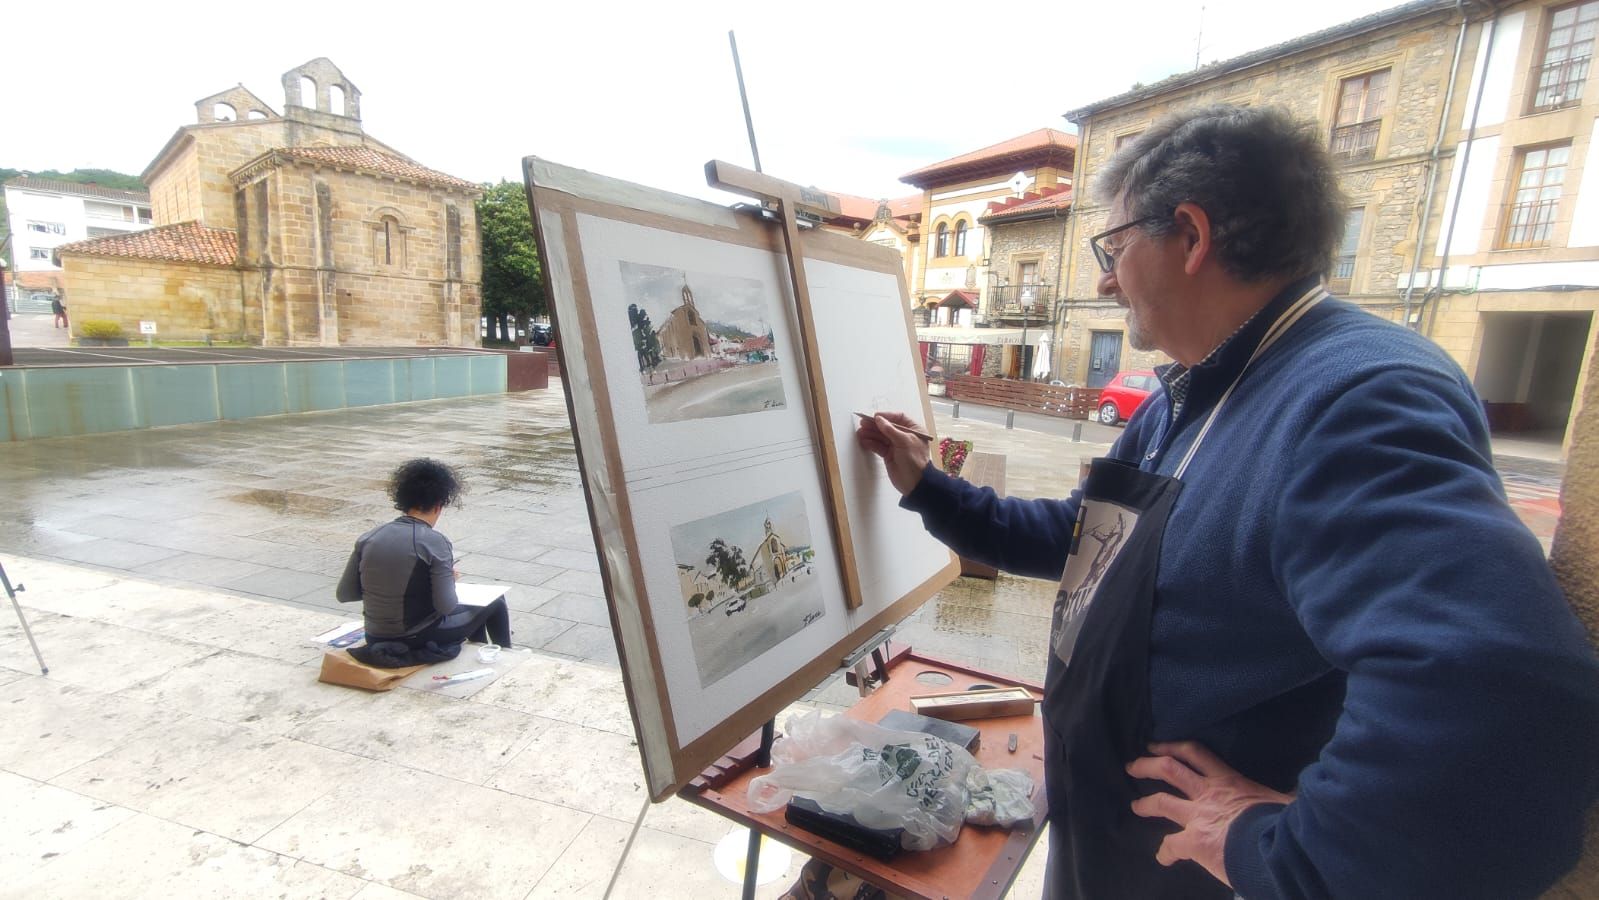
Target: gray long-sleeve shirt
[{"x": 403, "y": 572}]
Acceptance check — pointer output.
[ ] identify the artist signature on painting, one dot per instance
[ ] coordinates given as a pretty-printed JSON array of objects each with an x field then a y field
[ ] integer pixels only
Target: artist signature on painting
[
  {"x": 811, "y": 617},
  {"x": 771, "y": 404}
]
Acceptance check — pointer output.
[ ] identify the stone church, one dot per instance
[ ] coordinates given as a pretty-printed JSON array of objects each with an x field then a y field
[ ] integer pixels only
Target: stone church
[{"x": 297, "y": 229}]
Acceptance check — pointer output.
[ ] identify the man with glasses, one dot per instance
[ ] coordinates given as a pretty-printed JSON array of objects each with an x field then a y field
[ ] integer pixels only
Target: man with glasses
[{"x": 1301, "y": 647}]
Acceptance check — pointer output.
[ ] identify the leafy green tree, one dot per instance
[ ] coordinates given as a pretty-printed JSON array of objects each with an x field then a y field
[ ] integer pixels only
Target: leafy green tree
[
  {"x": 728, "y": 560},
  {"x": 646, "y": 343},
  {"x": 513, "y": 279}
]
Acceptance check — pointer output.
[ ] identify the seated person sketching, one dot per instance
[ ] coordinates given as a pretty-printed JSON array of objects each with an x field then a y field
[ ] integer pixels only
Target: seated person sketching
[{"x": 403, "y": 572}]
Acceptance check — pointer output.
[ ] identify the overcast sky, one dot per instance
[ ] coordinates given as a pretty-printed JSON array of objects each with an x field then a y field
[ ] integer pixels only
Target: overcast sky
[{"x": 847, "y": 96}]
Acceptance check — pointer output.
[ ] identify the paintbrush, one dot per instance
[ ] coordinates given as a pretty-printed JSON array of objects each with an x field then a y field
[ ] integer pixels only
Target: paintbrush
[{"x": 921, "y": 434}]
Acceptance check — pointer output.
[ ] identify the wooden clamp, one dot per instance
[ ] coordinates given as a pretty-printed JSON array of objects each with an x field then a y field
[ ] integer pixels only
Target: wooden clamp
[{"x": 791, "y": 200}]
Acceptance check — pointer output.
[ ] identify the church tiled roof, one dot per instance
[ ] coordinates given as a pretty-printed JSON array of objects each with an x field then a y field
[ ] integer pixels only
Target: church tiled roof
[
  {"x": 188, "y": 242},
  {"x": 366, "y": 159}
]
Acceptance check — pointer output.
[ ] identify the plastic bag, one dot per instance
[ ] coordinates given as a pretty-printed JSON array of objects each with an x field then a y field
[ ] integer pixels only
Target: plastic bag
[
  {"x": 998, "y": 797},
  {"x": 884, "y": 778}
]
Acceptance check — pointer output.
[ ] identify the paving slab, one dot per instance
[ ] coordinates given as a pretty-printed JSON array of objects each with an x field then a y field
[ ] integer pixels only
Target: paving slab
[
  {"x": 146, "y": 856},
  {"x": 42, "y": 822},
  {"x": 430, "y": 835}
]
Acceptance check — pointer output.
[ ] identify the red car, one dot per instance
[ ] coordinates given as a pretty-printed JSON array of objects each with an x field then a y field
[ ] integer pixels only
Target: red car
[{"x": 1124, "y": 394}]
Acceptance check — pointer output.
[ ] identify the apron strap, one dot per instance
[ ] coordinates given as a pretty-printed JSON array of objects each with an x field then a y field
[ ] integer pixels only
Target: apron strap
[{"x": 1285, "y": 320}]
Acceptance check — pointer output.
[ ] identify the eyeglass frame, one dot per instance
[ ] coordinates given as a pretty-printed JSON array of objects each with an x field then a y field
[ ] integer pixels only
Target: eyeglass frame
[{"x": 1106, "y": 259}]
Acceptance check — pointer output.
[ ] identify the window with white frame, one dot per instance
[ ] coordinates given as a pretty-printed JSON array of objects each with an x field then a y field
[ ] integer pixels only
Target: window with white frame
[
  {"x": 1343, "y": 270},
  {"x": 47, "y": 227},
  {"x": 38, "y": 253}
]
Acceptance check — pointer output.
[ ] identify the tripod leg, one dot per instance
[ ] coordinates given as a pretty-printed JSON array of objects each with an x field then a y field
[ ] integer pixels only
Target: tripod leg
[{"x": 11, "y": 592}]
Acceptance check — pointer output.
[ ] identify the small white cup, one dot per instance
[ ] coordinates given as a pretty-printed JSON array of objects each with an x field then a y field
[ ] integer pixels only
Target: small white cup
[{"x": 488, "y": 653}]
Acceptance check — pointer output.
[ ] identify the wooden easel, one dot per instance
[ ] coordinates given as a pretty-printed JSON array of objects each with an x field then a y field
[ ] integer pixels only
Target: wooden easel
[{"x": 786, "y": 201}]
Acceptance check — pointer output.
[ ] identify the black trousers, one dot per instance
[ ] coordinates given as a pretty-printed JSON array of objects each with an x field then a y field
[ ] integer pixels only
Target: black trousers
[{"x": 484, "y": 624}]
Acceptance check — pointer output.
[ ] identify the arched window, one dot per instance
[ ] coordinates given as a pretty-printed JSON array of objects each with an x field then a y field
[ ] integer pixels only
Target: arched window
[
  {"x": 257, "y": 114},
  {"x": 960, "y": 238},
  {"x": 224, "y": 112},
  {"x": 389, "y": 240},
  {"x": 337, "y": 102},
  {"x": 941, "y": 240},
  {"x": 307, "y": 92}
]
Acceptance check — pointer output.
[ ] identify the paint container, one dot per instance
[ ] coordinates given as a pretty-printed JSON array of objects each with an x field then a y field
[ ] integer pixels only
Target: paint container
[{"x": 488, "y": 653}]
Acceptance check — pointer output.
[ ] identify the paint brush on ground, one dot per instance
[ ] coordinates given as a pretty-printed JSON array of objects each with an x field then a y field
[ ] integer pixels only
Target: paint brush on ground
[
  {"x": 921, "y": 434},
  {"x": 463, "y": 676}
]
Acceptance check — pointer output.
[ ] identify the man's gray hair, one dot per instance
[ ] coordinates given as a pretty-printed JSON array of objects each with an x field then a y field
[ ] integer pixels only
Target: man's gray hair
[{"x": 1264, "y": 179}]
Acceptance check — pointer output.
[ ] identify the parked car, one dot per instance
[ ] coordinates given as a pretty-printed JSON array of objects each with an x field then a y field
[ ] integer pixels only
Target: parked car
[
  {"x": 1124, "y": 394},
  {"x": 540, "y": 336}
]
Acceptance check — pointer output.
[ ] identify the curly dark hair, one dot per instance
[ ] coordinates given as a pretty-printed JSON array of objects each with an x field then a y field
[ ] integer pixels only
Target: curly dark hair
[
  {"x": 1264, "y": 179},
  {"x": 424, "y": 484}
]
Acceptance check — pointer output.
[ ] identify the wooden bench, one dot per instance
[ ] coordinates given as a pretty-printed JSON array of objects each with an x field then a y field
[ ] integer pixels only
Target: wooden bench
[{"x": 1024, "y": 396}]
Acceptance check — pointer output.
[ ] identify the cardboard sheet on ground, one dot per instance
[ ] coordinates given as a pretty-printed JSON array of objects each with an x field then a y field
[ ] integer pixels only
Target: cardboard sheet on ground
[{"x": 696, "y": 419}]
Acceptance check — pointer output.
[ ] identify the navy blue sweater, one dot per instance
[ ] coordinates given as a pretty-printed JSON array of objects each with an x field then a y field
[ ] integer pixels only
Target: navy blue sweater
[{"x": 1347, "y": 607}]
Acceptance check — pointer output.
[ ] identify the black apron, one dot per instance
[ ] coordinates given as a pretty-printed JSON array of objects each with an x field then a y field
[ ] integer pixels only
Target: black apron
[{"x": 1096, "y": 691}]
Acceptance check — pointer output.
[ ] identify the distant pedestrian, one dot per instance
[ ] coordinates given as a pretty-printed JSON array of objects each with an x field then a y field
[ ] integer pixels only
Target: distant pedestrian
[{"x": 60, "y": 309}]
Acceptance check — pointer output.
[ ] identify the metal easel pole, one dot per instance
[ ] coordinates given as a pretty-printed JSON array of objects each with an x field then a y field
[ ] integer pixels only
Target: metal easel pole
[
  {"x": 752, "y": 856},
  {"x": 12, "y": 593}
]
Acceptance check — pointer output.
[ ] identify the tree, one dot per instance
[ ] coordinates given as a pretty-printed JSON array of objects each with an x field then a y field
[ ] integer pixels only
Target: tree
[
  {"x": 513, "y": 280},
  {"x": 646, "y": 344},
  {"x": 728, "y": 561}
]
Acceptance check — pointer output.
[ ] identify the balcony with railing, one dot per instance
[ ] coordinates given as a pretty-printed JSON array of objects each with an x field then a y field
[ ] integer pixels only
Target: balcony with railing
[
  {"x": 1355, "y": 143},
  {"x": 1529, "y": 224},
  {"x": 1558, "y": 84},
  {"x": 1016, "y": 303}
]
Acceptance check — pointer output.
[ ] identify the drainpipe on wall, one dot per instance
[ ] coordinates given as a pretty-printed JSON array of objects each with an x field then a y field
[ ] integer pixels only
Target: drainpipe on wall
[
  {"x": 1078, "y": 167},
  {"x": 1435, "y": 291},
  {"x": 1060, "y": 284},
  {"x": 1432, "y": 160}
]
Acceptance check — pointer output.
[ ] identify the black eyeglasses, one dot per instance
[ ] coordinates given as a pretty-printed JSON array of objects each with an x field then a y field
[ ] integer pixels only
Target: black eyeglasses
[{"x": 1106, "y": 259}]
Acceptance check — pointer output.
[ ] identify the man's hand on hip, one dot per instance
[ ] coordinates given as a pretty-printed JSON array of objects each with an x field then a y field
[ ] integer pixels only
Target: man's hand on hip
[
  {"x": 905, "y": 455},
  {"x": 1215, "y": 796}
]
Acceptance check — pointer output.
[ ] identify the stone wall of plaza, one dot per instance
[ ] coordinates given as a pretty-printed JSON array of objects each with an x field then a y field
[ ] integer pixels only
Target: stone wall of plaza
[
  {"x": 331, "y": 256},
  {"x": 185, "y": 300},
  {"x": 1389, "y": 187}
]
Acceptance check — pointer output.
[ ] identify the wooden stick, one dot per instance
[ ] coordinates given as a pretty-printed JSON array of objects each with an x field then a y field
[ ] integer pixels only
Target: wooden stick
[
  {"x": 791, "y": 199},
  {"x": 921, "y": 434}
]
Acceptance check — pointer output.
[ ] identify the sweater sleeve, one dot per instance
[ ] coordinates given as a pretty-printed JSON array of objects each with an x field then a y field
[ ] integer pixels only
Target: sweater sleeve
[
  {"x": 349, "y": 589},
  {"x": 1025, "y": 537},
  {"x": 1463, "y": 760},
  {"x": 441, "y": 573}
]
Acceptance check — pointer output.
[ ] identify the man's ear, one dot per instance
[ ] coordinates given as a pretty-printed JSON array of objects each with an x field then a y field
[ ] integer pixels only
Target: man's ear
[{"x": 1193, "y": 227}]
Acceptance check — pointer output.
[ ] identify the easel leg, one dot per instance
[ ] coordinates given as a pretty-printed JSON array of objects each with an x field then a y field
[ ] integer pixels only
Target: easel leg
[
  {"x": 752, "y": 857},
  {"x": 622, "y": 860},
  {"x": 12, "y": 593}
]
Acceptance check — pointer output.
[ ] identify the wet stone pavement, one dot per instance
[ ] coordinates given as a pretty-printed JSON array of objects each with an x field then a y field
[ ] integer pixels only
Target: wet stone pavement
[{"x": 269, "y": 508}]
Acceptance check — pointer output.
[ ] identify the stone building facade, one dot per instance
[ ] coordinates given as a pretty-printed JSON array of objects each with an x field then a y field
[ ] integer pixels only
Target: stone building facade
[
  {"x": 1463, "y": 134},
  {"x": 340, "y": 239},
  {"x": 1377, "y": 87},
  {"x": 1026, "y": 262},
  {"x": 683, "y": 335}
]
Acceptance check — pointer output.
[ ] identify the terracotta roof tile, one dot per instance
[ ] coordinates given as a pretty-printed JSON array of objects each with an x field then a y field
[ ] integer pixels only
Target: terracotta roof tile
[
  {"x": 72, "y": 188},
  {"x": 853, "y": 207},
  {"x": 1032, "y": 140},
  {"x": 188, "y": 242},
  {"x": 367, "y": 159},
  {"x": 1047, "y": 200}
]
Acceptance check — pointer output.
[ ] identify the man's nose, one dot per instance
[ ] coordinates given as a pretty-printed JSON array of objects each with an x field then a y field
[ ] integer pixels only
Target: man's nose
[{"x": 1107, "y": 284}]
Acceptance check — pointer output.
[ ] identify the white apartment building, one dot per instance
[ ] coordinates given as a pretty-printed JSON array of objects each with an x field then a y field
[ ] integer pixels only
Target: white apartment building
[{"x": 45, "y": 213}]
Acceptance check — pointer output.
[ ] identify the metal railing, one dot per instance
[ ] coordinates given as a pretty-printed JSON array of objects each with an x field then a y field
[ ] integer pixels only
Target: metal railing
[
  {"x": 1529, "y": 224},
  {"x": 1034, "y": 302},
  {"x": 1355, "y": 143},
  {"x": 1558, "y": 84}
]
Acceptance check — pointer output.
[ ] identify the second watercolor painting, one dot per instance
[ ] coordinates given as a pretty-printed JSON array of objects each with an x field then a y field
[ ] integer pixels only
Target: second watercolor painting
[
  {"x": 703, "y": 343},
  {"x": 747, "y": 581}
]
